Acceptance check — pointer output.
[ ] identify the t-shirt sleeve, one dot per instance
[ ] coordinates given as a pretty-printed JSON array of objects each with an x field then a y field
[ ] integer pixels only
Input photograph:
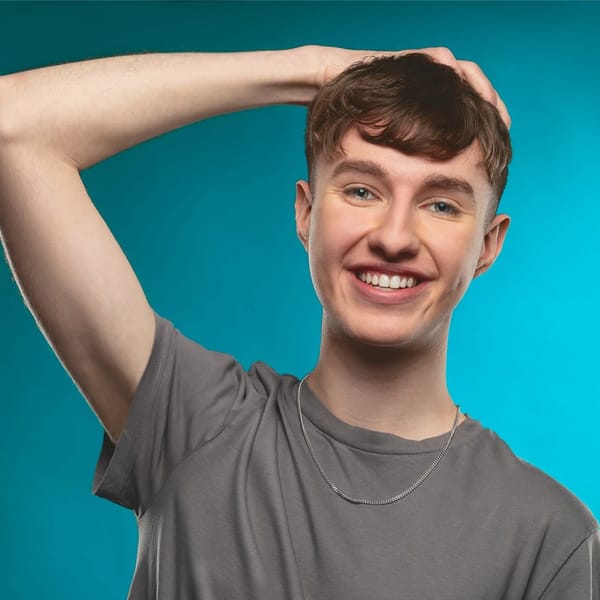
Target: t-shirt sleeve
[
  {"x": 579, "y": 577},
  {"x": 187, "y": 395}
]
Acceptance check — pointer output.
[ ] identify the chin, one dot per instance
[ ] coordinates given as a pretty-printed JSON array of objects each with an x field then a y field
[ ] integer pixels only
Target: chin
[
  {"x": 398, "y": 343},
  {"x": 385, "y": 336}
]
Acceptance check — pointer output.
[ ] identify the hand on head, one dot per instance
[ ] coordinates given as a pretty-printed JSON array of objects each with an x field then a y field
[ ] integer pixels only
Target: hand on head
[{"x": 332, "y": 61}]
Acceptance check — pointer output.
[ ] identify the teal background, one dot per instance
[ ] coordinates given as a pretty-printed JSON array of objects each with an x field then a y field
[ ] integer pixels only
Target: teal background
[{"x": 216, "y": 198}]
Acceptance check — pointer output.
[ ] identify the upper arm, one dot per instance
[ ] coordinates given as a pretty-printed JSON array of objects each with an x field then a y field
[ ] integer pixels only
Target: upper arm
[
  {"x": 579, "y": 576},
  {"x": 74, "y": 278}
]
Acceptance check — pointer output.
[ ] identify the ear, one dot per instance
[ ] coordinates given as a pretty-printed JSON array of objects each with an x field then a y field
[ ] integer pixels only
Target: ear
[
  {"x": 493, "y": 241},
  {"x": 303, "y": 206}
]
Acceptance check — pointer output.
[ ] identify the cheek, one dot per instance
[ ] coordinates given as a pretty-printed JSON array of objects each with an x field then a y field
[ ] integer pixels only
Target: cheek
[
  {"x": 333, "y": 234},
  {"x": 457, "y": 258},
  {"x": 331, "y": 240},
  {"x": 323, "y": 255}
]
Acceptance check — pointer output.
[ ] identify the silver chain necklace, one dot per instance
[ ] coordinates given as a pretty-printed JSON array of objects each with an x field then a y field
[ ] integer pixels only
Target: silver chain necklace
[{"x": 407, "y": 491}]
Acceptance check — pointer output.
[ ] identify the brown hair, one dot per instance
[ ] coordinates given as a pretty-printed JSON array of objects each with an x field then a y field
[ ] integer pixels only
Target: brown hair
[{"x": 413, "y": 104}]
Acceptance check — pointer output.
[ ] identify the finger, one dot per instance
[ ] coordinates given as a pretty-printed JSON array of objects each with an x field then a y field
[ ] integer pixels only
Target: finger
[
  {"x": 504, "y": 112},
  {"x": 444, "y": 56},
  {"x": 439, "y": 54},
  {"x": 468, "y": 70},
  {"x": 477, "y": 78}
]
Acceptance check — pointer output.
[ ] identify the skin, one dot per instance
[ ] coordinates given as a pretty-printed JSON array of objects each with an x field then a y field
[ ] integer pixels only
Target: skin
[{"x": 383, "y": 366}]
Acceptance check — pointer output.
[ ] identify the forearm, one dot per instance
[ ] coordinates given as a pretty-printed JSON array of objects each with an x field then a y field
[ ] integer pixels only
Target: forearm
[{"x": 90, "y": 110}]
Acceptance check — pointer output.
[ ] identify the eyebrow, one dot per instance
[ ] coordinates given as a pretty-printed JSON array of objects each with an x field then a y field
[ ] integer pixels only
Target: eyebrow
[
  {"x": 449, "y": 184},
  {"x": 362, "y": 166},
  {"x": 434, "y": 181}
]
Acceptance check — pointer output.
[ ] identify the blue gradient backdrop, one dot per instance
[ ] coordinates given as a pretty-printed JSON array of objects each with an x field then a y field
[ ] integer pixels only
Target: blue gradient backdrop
[{"x": 205, "y": 216}]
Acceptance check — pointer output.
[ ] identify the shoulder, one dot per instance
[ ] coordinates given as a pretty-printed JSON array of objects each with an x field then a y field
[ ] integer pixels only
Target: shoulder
[
  {"x": 533, "y": 492},
  {"x": 268, "y": 382}
]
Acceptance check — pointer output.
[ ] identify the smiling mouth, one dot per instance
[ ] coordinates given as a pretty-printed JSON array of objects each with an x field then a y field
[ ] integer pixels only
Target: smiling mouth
[{"x": 387, "y": 282}]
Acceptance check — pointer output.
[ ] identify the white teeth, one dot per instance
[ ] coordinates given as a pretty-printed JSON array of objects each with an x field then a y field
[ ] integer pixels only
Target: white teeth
[{"x": 385, "y": 281}]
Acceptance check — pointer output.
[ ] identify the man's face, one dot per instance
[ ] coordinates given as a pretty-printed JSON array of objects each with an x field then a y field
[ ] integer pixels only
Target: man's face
[{"x": 377, "y": 211}]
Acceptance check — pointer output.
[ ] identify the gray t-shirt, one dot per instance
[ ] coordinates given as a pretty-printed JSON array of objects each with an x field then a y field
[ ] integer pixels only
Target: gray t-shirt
[{"x": 230, "y": 504}]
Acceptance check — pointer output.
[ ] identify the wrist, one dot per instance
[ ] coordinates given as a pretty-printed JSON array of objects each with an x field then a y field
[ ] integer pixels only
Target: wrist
[{"x": 296, "y": 75}]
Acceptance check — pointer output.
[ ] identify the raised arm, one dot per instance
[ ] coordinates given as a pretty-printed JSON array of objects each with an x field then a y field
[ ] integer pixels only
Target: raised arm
[
  {"x": 59, "y": 120},
  {"x": 88, "y": 111},
  {"x": 56, "y": 121}
]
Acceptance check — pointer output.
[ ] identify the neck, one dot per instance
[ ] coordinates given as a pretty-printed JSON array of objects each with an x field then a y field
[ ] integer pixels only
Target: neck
[{"x": 394, "y": 390}]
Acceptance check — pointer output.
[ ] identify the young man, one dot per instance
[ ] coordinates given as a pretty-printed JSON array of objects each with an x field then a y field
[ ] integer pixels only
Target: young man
[{"x": 362, "y": 479}]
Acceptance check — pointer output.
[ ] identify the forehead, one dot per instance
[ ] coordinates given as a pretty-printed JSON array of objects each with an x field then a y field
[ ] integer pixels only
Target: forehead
[{"x": 396, "y": 169}]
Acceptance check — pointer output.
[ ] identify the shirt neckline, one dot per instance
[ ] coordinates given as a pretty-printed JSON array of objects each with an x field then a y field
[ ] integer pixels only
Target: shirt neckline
[{"x": 376, "y": 441}]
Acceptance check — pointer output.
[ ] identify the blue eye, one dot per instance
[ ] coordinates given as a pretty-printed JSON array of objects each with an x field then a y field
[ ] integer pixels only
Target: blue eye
[
  {"x": 446, "y": 209},
  {"x": 361, "y": 193}
]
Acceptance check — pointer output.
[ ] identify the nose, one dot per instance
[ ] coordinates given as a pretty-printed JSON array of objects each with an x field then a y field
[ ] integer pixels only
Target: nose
[{"x": 394, "y": 232}]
